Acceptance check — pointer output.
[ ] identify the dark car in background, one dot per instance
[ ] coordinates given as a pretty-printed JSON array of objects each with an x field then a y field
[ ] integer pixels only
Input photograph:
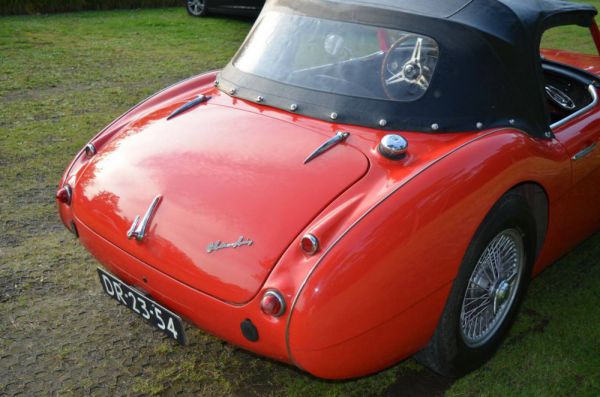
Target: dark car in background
[{"x": 199, "y": 8}]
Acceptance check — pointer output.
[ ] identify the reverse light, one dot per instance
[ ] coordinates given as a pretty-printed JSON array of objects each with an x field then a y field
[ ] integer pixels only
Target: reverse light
[
  {"x": 64, "y": 194},
  {"x": 272, "y": 304},
  {"x": 309, "y": 244}
]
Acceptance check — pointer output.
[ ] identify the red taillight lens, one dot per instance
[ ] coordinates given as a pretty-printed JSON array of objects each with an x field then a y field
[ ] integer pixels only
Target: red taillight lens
[
  {"x": 64, "y": 194},
  {"x": 272, "y": 304},
  {"x": 309, "y": 244},
  {"x": 90, "y": 150}
]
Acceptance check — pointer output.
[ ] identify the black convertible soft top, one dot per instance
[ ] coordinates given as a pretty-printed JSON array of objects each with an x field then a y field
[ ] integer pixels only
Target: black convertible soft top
[
  {"x": 529, "y": 11},
  {"x": 489, "y": 72}
]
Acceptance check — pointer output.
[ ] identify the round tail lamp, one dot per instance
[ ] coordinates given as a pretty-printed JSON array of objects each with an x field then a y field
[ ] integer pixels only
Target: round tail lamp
[
  {"x": 90, "y": 150},
  {"x": 64, "y": 194},
  {"x": 309, "y": 244},
  {"x": 272, "y": 304}
]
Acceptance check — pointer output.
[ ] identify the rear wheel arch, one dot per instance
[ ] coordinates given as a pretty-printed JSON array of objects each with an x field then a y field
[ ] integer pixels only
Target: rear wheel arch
[
  {"x": 445, "y": 352},
  {"x": 537, "y": 198}
]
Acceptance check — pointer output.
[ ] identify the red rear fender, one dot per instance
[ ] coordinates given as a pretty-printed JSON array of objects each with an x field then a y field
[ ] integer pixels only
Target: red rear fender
[{"x": 378, "y": 293}]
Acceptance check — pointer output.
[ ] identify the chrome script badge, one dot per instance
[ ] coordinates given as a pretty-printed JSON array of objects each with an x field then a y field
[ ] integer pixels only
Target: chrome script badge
[{"x": 218, "y": 245}]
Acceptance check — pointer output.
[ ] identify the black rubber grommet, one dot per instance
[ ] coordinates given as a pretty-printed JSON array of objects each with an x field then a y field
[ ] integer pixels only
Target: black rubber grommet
[{"x": 249, "y": 330}]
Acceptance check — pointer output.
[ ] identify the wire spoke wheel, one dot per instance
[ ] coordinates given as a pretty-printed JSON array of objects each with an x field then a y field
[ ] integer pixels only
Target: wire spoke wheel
[
  {"x": 196, "y": 7},
  {"x": 492, "y": 288}
]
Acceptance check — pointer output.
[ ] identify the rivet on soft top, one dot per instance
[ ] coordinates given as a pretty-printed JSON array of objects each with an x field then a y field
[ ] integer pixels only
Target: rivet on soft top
[
  {"x": 435, "y": 126},
  {"x": 382, "y": 122},
  {"x": 333, "y": 116},
  {"x": 293, "y": 107},
  {"x": 259, "y": 99}
]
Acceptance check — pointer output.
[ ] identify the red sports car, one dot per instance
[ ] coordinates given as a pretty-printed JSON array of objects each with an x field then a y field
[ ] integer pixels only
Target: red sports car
[{"x": 365, "y": 181}]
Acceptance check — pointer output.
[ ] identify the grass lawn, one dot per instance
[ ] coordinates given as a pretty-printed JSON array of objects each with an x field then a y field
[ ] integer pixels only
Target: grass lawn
[{"x": 62, "y": 79}]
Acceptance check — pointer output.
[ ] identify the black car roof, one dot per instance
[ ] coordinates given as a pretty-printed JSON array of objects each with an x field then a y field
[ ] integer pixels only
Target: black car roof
[
  {"x": 489, "y": 71},
  {"x": 496, "y": 17},
  {"x": 526, "y": 10},
  {"x": 433, "y": 8}
]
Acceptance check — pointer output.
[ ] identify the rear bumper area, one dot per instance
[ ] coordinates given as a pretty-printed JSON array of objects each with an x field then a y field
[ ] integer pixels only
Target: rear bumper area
[{"x": 208, "y": 313}]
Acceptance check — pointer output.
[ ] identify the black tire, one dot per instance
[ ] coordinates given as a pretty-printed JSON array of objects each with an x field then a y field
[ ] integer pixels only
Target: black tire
[
  {"x": 196, "y": 8},
  {"x": 448, "y": 353}
]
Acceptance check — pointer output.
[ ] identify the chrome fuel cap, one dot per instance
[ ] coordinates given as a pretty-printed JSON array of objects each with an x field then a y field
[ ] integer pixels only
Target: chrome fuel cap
[{"x": 393, "y": 147}]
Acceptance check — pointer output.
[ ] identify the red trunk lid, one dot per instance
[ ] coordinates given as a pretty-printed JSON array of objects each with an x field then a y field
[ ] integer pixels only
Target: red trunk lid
[{"x": 223, "y": 173}]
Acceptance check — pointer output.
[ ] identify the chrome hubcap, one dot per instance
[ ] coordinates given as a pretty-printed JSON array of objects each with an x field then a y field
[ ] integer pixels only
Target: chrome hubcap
[
  {"x": 196, "y": 6},
  {"x": 492, "y": 288},
  {"x": 501, "y": 294}
]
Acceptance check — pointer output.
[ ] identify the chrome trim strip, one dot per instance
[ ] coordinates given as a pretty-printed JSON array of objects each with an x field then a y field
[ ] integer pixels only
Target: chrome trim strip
[
  {"x": 594, "y": 94},
  {"x": 337, "y": 139},
  {"x": 353, "y": 225},
  {"x": 585, "y": 152}
]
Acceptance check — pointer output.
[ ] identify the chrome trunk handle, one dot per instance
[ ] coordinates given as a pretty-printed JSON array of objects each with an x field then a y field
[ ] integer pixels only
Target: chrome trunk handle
[{"x": 138, "y": 229}]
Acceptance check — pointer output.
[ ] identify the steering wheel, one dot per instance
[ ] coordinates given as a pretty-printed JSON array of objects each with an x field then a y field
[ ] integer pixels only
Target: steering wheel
[
  {"x": 412, "y": 73},
  {"x": 560, "y": 98}
]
